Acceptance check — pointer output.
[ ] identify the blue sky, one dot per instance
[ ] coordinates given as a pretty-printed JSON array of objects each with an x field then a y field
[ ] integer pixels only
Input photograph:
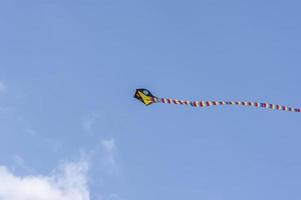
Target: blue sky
[{"x": 68, "y": 71}]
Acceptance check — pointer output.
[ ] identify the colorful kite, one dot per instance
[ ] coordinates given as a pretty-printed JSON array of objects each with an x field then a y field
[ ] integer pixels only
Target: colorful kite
[{"x": 146, "y": 97}]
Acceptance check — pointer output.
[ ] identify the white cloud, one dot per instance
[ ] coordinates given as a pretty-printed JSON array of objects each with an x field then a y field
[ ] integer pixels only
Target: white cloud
[{"x": 69, "y": 182}]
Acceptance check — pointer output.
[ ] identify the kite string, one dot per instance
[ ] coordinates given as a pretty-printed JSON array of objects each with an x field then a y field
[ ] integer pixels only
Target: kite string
[{"x": 220, "y": 103}]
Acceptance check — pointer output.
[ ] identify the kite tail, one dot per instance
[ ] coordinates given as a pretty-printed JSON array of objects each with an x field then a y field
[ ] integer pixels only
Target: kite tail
[{"x": 221, "y": 103}]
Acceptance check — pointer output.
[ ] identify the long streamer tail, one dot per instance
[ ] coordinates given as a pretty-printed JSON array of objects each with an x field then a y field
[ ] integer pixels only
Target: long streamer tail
[{"x": 221, "y": 103}]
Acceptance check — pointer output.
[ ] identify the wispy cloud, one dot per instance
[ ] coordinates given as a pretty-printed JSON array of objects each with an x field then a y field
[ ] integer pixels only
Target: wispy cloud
[
  {"x": 104, "y": 163},
  {"x": 109, "y": 145},
  {"x": 69, "y": 182},
  {"x": 21, "y": 164},
  {"x": 113, "y": 197},
  {"x": 109, "y": 148},
  {"x": 2, "y": 87},
  {"x": 88, "y": 122}
]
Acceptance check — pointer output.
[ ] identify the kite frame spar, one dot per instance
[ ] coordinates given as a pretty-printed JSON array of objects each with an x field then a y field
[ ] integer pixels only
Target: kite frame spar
[{"x": 146, "y": 97}]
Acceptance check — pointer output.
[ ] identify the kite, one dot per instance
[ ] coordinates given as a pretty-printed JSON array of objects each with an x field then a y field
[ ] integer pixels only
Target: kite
[{"x": 146, "y": 97}]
